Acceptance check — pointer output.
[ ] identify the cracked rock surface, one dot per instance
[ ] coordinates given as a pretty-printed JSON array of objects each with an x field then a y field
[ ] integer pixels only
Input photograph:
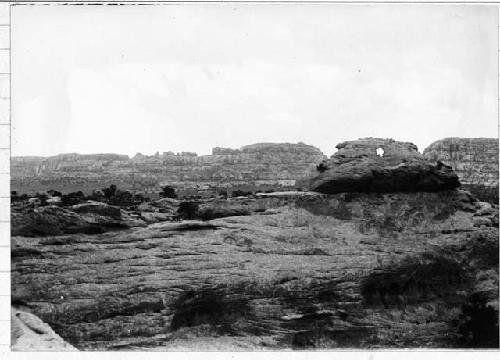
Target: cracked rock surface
[{"x": 313, "y": 271}]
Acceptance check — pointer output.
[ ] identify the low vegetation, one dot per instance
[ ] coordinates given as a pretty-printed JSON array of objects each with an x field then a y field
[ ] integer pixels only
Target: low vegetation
[
  {"x": 478, "y": 323},
  {"x": 482, "y": 192},
  {"x": 168, "y": 192},
  {"x": 212, "y": 306},
  {"x": 416, "y": 279}
]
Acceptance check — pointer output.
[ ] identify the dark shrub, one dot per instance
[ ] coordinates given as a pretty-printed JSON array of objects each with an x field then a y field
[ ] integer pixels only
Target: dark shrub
[
  {"x": 58, "y": 241},
  {"x": 89, "y": 229},
  {"x": 97, "y": 195},
  {"x": 195, "y": 227},
  {"x": 110, "y": 191},
  {"x": 188, "y": 210},
  {"x": 168, "y": 192},
  {"x": 15, "y": 197},
  {"x": 43, "y": 198},
  {"x": 415, "y": 279},
  {"x": 484, "y": 250},
  {"x": 72, "y": 198},
  {"x": 216, "y": 307},
  {"x": 322, "y": 167},
  {"x": 341, "y": 211},
  {"x": 121, "y": 198},
  {"x": 39, "y": 228},
  {"x": 15, "y": 300},
  {"x": 54, "y": 193},
  {"x": 209, "y": 214},
  {"x": 139, "y": 198},
  {"x": 25, "y": 252},
  {"x": 237, "y": 193},
  {"x": 444, "y": 212},
  {"x": 348, "y": 197},
  {"x": 478, "y": 323},
  {"x": 114, "y": 196},
  {"x": 483, "y": 193},
  {"x": 323, "y": 335}
]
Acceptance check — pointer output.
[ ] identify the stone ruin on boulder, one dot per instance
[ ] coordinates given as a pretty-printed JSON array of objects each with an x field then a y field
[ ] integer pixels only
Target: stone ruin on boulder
[{"x": 381, "y": 165}]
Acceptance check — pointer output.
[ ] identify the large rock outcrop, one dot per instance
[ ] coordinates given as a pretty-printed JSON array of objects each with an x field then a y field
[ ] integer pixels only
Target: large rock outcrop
[
  {"x": 381, "y": 165},
  {"x": 86, "y": 218},
  {"x": 263, "y": 162},
  {"x": 475, "y": 160}
]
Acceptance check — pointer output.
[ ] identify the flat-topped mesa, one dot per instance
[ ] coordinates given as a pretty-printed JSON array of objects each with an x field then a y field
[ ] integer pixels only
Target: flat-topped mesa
[
  {"x": 381, "y": 165},
  {"x": 269, "y": 162},
  {"x": 263, "y": 148},
  {"x": 225, "y": 151},
  {"x": 71, "y": 162},
  {"x": 475, "y": 160},
  {"x": 281, "y": 148}
]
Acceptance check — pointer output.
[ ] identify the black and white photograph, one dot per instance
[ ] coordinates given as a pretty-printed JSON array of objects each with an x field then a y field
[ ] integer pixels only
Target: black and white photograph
[{"x": 253, "y": 177}]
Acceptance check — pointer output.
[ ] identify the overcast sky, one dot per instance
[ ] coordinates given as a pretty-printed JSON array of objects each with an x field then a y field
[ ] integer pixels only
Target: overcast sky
[{"x": 129, "y": 79}]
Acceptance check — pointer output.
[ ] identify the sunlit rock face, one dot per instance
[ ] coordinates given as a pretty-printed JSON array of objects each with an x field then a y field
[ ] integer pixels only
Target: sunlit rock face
[
  {"x": 381, "y": 165},
  {"x": 263, "y": 161},
  {"x": 30, "y": 333},
  {"x": 475, "y": 160}
]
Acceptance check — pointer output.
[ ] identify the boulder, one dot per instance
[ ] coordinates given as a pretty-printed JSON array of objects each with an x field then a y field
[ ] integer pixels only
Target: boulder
[
  {"x": 485, "y": 215},
  {"x": 484, "y": 209},
  {"x": 214, "y": 212},
  {"x": 45, "y": 221},
  {"x": 132, "y": 219},
  {"x": 482, "y": 221},
  {"x": 98, "y": 208},
  {"x": 54, "y": 200},
  {"x": 55, "y": 220},
  {"x": 381, "y": 165},
  {"x": 164, "y": 203},
  {"x": 154, "y": 217},
  {"x": 30, "y": 333}
]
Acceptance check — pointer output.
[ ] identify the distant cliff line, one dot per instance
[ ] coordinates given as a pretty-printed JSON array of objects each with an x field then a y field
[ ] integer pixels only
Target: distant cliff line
[
  {"x": 474, "y": 159},
  {"x": 247, "y": 149},
  {"x": 269, "y": 162}
]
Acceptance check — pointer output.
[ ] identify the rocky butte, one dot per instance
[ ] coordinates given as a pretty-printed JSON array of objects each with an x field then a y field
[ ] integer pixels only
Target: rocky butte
[
  {"x": 475, "y": 160},
  {"x": 381, "y": 165}
]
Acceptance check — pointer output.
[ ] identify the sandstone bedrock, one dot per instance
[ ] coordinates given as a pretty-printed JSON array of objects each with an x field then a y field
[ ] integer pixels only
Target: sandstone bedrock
[{"x": 294, "y": 271}]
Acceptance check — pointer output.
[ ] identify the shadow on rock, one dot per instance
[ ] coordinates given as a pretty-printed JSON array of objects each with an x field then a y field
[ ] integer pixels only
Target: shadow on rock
[
  {"x": 416, "y": 279},
  {"x": 216, "y": 307}
]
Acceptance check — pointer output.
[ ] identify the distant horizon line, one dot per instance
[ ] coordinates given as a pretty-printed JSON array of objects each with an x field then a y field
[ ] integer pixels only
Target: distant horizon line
[{"x": 193, "y": 153}]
